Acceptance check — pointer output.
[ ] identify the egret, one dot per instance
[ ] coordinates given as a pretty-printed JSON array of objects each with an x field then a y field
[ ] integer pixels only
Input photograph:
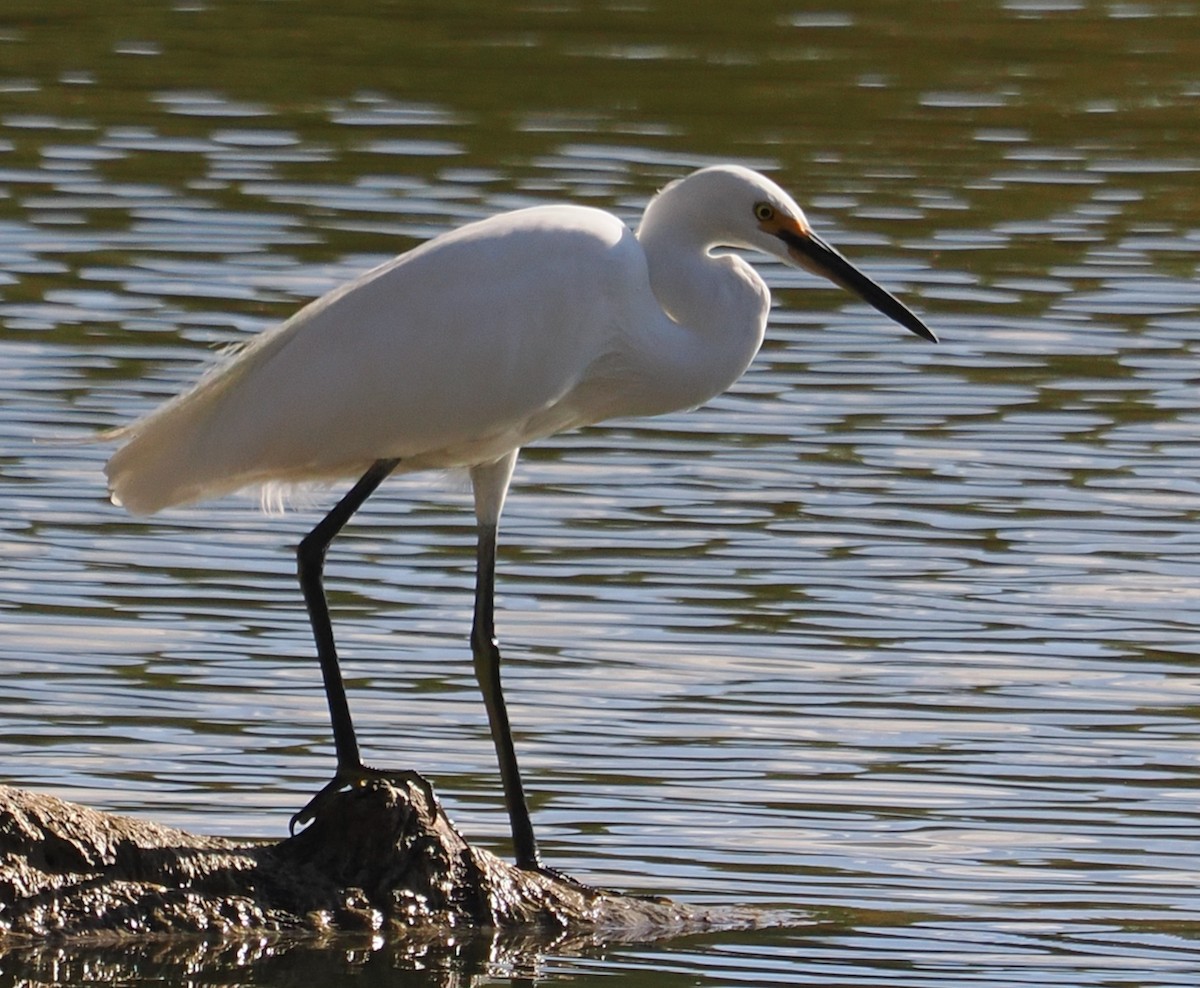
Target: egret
[{"x": 461, "y": 351}]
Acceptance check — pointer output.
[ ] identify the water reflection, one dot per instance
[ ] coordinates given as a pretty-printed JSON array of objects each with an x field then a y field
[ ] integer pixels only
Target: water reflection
[
  {"x": 903, "y": 636},
  {"x": 437, "y": 964}
]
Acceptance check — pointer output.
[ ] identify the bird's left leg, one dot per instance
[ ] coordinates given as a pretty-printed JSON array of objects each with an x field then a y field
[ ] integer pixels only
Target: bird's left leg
[
  {"x": 490, "y": 484},
  {"x": 486, "y": 651},
  {"x": 310, "y": 557}
]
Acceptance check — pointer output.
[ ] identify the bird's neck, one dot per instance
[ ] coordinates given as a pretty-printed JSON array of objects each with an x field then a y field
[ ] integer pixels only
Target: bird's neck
[{"x": 717, "y": 307}]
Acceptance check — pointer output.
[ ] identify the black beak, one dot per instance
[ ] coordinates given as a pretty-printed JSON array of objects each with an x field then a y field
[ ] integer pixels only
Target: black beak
[{"x": 812, "y": 253}]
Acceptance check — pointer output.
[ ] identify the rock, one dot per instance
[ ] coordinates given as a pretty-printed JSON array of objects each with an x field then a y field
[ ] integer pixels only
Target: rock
[{"x": 381, "y": 860}]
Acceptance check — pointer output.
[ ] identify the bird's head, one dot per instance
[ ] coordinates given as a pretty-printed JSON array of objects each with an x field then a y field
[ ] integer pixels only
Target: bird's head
[{"x": 745, "y": 209}]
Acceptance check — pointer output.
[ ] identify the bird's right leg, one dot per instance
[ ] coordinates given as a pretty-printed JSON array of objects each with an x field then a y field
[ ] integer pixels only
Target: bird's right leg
[{"x": 310, "y": 556}]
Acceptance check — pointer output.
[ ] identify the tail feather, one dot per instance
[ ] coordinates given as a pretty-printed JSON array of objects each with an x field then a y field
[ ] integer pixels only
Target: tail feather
[
  {"x": 148, "y": 474},
  {"x": 167, "y": 457}
]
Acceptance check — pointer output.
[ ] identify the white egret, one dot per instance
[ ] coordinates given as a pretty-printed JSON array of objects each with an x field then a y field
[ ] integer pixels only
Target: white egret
[{"x": 462, "y": 350}]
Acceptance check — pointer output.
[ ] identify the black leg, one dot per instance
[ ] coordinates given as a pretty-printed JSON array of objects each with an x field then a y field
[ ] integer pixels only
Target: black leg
[
  {"x": 486, "y": 652},
  {"x": 310, "y": 556}
]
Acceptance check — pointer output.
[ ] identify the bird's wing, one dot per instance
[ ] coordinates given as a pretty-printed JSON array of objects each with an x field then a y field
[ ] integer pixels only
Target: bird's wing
[{"x": 448, "y": 355}]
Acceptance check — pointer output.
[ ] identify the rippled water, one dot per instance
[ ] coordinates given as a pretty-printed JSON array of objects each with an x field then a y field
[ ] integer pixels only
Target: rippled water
[{"x": 898, "y": 637}]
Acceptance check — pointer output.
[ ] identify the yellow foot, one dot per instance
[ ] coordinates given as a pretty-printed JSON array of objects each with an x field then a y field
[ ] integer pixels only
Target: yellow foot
[{"x": 348, "y": 778}]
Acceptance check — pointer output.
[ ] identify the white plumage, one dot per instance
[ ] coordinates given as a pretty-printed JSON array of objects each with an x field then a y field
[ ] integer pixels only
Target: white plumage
[
  {"x": 465, "y": 349},
  {"x": 469, "y": 346}
]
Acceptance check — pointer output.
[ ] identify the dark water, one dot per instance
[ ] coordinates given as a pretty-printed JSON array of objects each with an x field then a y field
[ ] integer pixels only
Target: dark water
[{"x": 899, "y": 638}]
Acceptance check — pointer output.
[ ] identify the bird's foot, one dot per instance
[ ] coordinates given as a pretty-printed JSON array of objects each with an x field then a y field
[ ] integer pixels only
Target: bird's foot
[
  {"x": 356, "y": 775},
  {"x": 554, "y": 874}
]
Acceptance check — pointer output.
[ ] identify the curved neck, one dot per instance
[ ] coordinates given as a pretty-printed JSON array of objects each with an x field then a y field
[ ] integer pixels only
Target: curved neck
[{"x": 715, "y": 314}]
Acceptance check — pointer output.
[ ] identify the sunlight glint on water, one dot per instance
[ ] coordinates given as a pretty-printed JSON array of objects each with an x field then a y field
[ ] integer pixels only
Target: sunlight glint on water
[{"x": 900, "y": 636}]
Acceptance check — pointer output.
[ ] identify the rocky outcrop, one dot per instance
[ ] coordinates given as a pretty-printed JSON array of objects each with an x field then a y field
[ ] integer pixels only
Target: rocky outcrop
[{"x": 382, "y": 859}]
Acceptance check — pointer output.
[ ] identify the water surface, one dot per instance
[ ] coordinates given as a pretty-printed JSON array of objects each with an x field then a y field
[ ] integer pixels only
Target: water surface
[{"x": 901, "y": 639}]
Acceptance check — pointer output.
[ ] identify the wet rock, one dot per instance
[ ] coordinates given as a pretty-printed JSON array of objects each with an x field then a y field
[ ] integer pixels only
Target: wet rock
[{"x": 382, "y": 860}]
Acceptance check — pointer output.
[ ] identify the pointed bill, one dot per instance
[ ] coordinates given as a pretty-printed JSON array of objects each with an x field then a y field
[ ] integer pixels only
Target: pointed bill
[{"x": 812, "y": 253}]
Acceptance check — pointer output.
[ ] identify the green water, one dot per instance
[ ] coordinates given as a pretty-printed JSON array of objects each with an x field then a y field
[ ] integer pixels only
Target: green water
[{"x": 901, "y": 639}]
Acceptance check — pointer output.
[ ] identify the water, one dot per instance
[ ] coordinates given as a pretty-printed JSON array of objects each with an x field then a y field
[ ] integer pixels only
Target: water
[{"x": 901, "y": 639}]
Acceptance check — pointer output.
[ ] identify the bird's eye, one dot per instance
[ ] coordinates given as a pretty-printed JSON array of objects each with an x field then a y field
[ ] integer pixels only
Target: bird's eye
[{"x": 764, "y": 211}]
